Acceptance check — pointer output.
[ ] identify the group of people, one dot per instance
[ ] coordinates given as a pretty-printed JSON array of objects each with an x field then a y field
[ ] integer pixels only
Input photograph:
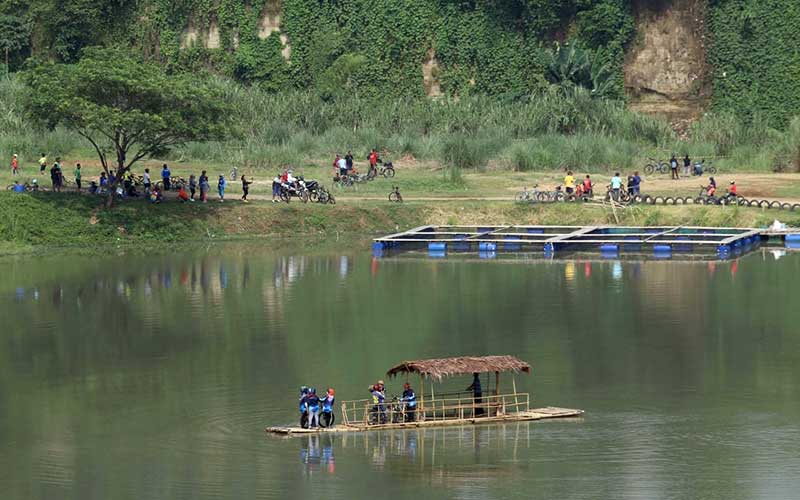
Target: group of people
[
  {"x": 711, "y": 189},
  {"x": 311, "y": 405},
  {"x": 407, "y": 404},
  {"x": 585, "y": 188},
  {"x": 124, "y": 183},
  {"x": 344, "y": 165},
  {"x": 688, "y": 169}
]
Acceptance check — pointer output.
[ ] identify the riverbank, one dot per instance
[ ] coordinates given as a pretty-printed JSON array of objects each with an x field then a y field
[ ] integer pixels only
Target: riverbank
[{"x": 30, "y": 222}]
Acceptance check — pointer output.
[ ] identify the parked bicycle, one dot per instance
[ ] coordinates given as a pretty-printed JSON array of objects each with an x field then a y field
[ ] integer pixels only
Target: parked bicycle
[
  {"x": 395, "y": 195},
  {"x": 386, "y": 170},
  {"x": 621, "y": 196},
  {"x": 656, "y": 166},
  {"x": 531, "y": 195}
]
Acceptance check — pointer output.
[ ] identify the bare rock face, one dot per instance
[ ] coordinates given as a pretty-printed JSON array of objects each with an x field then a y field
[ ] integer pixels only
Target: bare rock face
[{"x": 665, "y": 70}]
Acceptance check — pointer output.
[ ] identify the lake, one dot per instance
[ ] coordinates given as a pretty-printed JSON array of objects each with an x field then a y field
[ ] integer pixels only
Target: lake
[{"x": 149, "y": 376}]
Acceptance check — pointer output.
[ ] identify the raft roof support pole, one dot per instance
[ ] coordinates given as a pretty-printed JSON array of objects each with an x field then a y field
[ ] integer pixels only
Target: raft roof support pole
[
  {"x": 422, "y": 399},
  {"x": 496, "y": 383},
  {"x": 514, "y": 385}
]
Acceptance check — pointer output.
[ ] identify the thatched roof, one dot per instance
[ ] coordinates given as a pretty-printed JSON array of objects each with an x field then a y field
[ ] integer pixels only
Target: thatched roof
[{"x": 445, "y": 367}]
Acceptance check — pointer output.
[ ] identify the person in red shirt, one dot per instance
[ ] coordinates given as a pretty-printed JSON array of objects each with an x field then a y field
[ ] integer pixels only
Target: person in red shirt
[
  {"x": 182, "y": 194},
  {"x": 14, "y": 165},
  {"x": 732, "y": 189}
]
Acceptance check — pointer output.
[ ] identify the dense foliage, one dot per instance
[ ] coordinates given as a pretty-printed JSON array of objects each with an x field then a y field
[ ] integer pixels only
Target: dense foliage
[{"x": 755, "y": 57}]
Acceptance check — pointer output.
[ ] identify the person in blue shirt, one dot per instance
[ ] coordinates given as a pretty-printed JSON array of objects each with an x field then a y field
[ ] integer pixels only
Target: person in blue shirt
[
  {"x": 312, "y": 405},
  {"x": 327, "y": 406},
  {"x": 477, "y": 393},
  {"x": 165, "y": 176},
  {"x": 302, "y": 405},
  {"x": 616, "y": 186},
  {"x": 633, "y": 184},
  {"x": 18, "y": 188},
  {"x": 221, "y": 187},
  {"x": 410, "y": 402}
]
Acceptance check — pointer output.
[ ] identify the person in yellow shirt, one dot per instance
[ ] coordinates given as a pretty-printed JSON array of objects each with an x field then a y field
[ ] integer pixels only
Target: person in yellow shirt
[
  {"x": 569, "y": 182},
  {"x": 42, "y": 163}
]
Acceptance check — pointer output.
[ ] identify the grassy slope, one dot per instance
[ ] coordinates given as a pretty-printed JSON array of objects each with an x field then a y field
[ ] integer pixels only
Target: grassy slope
[{"x": 42, "y": 220}]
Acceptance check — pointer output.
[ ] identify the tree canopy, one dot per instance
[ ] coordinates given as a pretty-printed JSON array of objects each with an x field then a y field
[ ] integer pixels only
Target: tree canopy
[{"x": 128, "y": 109}]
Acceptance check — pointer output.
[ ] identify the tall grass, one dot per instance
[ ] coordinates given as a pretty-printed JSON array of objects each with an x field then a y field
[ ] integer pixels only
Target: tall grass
[{"x": 555, "y": 129}]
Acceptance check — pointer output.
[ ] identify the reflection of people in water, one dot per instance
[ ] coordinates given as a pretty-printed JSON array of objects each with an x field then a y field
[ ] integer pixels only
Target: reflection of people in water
[{"x": 312, "y": 455}]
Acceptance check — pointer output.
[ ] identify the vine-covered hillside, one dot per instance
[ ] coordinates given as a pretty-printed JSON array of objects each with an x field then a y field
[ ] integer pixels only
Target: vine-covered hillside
[{"x": 413, "y": 47}]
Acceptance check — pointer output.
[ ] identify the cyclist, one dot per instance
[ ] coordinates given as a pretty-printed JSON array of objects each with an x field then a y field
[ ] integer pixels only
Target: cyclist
[
  {"x": 312, "y": 404},
  {"x": 374, "y": 159},
  {"x": 348, "y": 159},
  {"x": 711, "y": 189},
  {"x": 42, "y": 163},
  {"x": 732, "y": 191},
  {"x": 327, "y": 401}
]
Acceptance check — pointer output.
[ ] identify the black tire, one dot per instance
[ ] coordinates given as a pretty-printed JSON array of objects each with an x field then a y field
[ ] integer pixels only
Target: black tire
[
  {"x": 304, "y": 420},
  {"x": 754, "y": 203},
  {"x": 710, "y": 170},
  {"x": 688, "y": 200},
  {"x": 331, "y": 199},
  {"x": 669, "y": 200},
  {"x": 775, "y": 204},
  {"x": 313, "y": 196},
  {"x": 388, "y": 173},
  {"x": 742, "y": 202},
  {"x": 304, "y": 196},
  {"x": 285, "y": 197},
  {"x": 542, "y": 197},
  {"x": 649, "y": 169},
  {"x": 395, "y": 197},
  {"x": 638, "y": 198},
  {"x": 763, "y": 203},
  {"x": 522, "y": 197},
  {"x": 326, "y": 419},
  {"x": 558, "y": 196},
  {"x": 571, "y": 197},
  {"x": 371, "y": 174},
  {"x": 786, "y": 206},
  {"x": 10, "y": 187},
  {"x": 795, "y": 206},
  {"x": 658, "y": 200}
]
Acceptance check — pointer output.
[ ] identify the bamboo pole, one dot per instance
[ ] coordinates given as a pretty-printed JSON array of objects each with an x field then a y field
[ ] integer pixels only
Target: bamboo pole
[
  {"x": 421, "y": 410},
  {"x": 514, "y": 386}
]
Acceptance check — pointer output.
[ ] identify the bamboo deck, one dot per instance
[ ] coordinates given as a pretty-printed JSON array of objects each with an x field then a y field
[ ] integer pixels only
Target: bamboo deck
[{"x": 549, "y": 412}]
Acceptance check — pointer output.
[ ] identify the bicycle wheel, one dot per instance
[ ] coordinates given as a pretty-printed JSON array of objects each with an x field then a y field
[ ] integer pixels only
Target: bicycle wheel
[
  {"x": 711, "y": 170},
  {"x": 371, "y": 174},
  {"x": 649, "y": 169},
  {"x": 559, "y": 196},
  {"x": 741, "y": 201},
  {"x": 394, "y": 197},
  {"x": 331, "y": 199},
  {"x": 10, "y": 187},
  {"x": 388, "y": 173},
  {"x": 303, "y": 196},
  {"x": 313, "y": 196},
  {"x": 521, "y": 197},
  {"x": 326, "y": 419},
  {"x": 542, "y": 197},
  {"x": 285, "y": 197}
]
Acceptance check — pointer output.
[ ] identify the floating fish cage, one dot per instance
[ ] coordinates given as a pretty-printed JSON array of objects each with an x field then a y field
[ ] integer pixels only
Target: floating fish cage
[{"x": 609, "y": 241}]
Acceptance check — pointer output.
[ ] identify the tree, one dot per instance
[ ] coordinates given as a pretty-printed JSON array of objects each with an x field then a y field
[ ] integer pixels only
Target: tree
[
  {"x": 15, "y": 35},
  {"x": 126, "y": 108},
  {"x": 571, "y": 66}
]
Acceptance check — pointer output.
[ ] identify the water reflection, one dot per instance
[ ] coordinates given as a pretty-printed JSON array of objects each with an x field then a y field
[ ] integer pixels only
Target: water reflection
[{"x": 316, "y": 453}]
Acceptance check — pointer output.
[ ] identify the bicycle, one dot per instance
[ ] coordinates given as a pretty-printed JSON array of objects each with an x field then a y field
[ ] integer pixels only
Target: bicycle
[
  {"x": 621, "y": 197},
  {"x": 386, "y": 170},
  {"x": 532, "y": 196},
  {"x": 395, "y": 195},
  {"x": 27, "y": 186},
  {"x": 656, "y": 166}
]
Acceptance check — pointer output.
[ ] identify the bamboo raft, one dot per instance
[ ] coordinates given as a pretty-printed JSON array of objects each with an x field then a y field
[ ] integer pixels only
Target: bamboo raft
[
  {"x": 549, "y": 412},
  {"x": 451, "y": 410}
]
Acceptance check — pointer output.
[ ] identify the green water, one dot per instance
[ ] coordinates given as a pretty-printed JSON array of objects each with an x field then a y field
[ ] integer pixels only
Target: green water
[{"x": 150, "y": 377}]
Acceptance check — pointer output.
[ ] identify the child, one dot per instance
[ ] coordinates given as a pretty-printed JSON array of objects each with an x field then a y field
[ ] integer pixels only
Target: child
[
  {"x": 221, "y": 188},
  {"x": 245, "y": 187},
  {"x": 14, "y": 165},
  {"x": 183, "y": 195}
]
